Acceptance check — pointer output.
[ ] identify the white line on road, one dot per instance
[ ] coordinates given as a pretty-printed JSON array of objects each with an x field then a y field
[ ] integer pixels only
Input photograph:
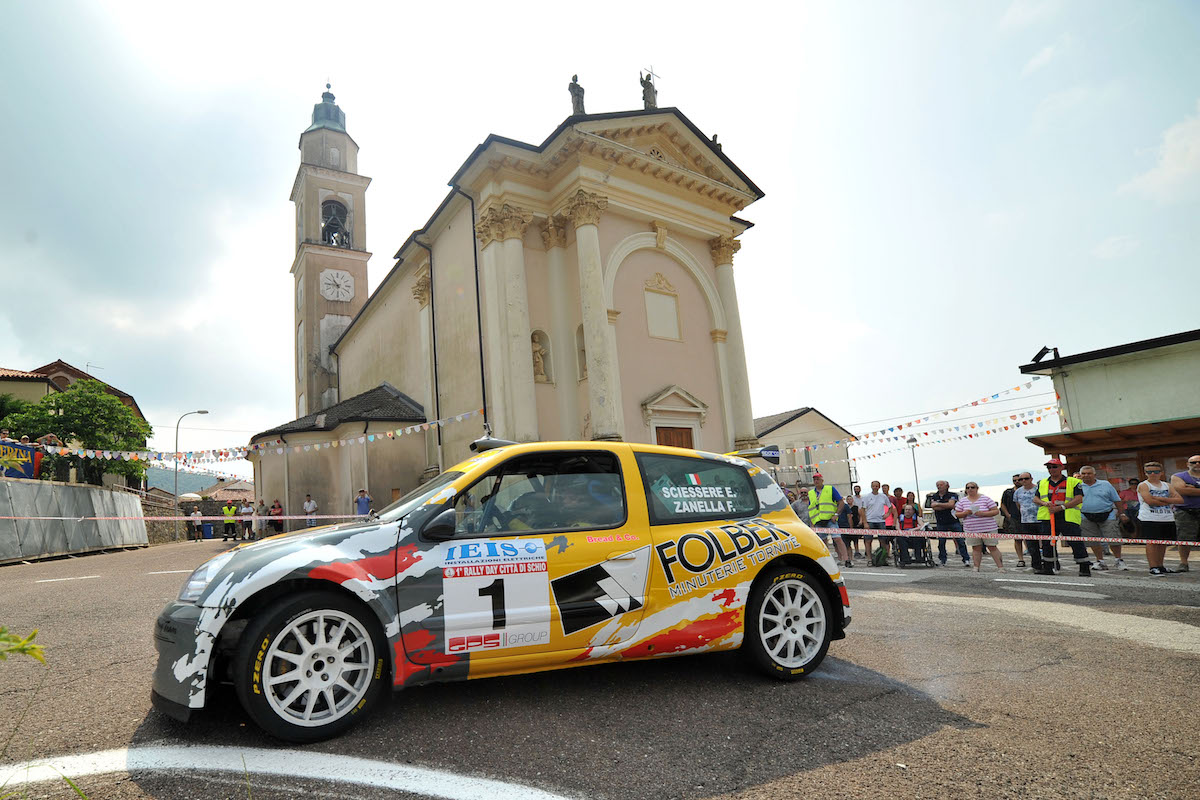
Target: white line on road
[
  {"x": 309, "y": 765},
  {"x": 873, "y": 574},
  {"x": 1162, "y": 633},
  {"x": 169, "y": 572},
  {"x": 1057, "y": 592},
  {"x": 76, "y": 578},
  {"x": 1043, "y": 583}
]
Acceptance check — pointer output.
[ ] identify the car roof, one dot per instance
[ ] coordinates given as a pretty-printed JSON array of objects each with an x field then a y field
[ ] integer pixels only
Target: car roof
[{"x": 637, "y": 447}]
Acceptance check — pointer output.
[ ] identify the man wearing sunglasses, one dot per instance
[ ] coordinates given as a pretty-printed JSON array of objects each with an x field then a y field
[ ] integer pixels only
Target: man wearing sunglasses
[
  {"x": 1187, "y": 516},
  {"x": 1058, "y": 499}
]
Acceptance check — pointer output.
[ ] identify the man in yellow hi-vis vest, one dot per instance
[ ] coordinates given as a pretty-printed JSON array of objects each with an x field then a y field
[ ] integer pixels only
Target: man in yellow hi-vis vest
[
  {"x": 1059, "y": 498},
  {"x": 824, "y": 505},
  {"x": 229, "y": 511}
]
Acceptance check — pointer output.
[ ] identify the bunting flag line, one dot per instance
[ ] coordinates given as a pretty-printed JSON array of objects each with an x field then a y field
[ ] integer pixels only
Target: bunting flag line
[
  {"x": 903, "y": 437},
  {"x": 190, "y": 458},
  {"x": 974, "y": 432}
]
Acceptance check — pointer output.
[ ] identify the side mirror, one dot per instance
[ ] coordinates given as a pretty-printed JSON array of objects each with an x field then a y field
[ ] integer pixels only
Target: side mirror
[{"x": 442, "y": 526}]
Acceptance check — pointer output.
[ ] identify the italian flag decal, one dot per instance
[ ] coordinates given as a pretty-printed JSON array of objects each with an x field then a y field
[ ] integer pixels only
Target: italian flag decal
[{"x": 693, "y": 479}]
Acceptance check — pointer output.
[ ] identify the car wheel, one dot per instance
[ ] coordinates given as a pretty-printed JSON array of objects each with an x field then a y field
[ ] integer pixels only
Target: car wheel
[
  {"x": 310, "y": 666},
  {"x": 787, "y": 627}
]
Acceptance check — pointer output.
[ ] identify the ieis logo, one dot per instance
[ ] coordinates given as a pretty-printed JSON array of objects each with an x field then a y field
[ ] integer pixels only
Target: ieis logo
[{"x": 463, "y": 644}]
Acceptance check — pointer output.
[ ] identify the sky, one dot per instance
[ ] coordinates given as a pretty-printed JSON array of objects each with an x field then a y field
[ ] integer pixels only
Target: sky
[{"x": 949, "y": 186}]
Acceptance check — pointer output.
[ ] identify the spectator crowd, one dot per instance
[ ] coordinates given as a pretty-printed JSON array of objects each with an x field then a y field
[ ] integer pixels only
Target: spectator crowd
[{"x": 1158, "y": 508}]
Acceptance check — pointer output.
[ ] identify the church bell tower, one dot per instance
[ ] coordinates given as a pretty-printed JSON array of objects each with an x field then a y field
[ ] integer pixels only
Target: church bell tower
[{"x": 330, "y": 267}]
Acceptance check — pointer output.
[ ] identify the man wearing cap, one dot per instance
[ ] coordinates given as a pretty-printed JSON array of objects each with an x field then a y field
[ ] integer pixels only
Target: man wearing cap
[
  {"x": 824, "y": 504},
  {"x": 1058, "y": 499},
  {"x": 362, "y": 503}
]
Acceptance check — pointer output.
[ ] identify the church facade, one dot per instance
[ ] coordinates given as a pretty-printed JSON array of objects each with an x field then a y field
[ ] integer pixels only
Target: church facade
[{"x": 580, "y": 288}]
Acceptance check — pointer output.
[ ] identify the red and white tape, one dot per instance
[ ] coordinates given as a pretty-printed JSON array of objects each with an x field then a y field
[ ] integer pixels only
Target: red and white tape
[{"x": 927, "y": 534}]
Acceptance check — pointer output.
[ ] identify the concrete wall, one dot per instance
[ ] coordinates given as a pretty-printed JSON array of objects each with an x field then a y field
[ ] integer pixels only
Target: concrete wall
[
  {"x": 35, "y": 538},
  {"x": 1139, "y": 387}
]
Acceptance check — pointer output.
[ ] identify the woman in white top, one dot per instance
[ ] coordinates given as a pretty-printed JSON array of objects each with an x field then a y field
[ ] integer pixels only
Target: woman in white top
[{"x": 1156, "y": 518}]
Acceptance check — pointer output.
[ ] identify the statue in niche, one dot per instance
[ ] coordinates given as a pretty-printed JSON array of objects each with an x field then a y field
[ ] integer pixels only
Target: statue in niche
[
  {"x": 649, "y": 93},
  {"x": 540, "y": 351},
  {"x": 576, "y": 96}
]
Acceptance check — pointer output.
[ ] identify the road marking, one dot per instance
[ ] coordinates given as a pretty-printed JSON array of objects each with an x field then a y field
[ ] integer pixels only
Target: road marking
[
  {"x": 1058, "y": 592},
  {"x": 170, "y": 572},
  {"x": 1043, "y": 583},
  {"x": 873, "y": 574},
  {"x": 1160, "y": 633},
  {"x": 77, "y": 578},
  {"x": 309, "y": 765}
]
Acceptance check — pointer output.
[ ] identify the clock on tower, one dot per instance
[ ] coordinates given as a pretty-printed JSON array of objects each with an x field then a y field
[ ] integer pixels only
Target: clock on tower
[{"x": 337, "y": 285}]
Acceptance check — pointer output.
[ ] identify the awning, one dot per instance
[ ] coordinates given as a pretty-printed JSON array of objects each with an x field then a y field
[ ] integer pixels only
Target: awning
[{"x": 1162, "y": 433}]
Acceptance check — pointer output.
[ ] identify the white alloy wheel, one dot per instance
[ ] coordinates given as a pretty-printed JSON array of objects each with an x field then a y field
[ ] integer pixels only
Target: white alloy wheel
[
  {"x": 791, "y": 623},
  {"x": 318, "y": 668}
]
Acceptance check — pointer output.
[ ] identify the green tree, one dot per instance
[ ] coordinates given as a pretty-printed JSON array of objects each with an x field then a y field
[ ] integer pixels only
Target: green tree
[
  {"x": 87, "y": 414},
  {"x": 11, "y": 405}
]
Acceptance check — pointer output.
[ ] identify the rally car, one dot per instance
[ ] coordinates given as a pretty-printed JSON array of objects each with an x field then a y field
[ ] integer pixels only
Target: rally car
[{"x": 524, "y": 557}]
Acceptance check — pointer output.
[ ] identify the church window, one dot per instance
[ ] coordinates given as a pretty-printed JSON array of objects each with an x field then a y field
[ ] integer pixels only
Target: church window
[
  {"x": 301, "y": 354},
  {"x": 581, "y": 352},
  {"x": 656, "y": 153},
  {"x": 334, "y": 157},
  {"x": 662, "y": 315},
  {"x": 335, "y": 228}
]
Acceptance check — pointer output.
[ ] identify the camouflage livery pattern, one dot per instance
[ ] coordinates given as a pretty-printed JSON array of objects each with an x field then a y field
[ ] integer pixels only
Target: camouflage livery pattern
[{"x": 512, "y": 602}]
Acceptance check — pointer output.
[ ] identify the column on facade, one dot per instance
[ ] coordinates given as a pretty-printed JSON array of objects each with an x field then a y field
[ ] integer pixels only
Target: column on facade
[
  {"x": 489, "y": 232},
  {"x": 718, "y": 336},
  {"x": 737, "y": 376},
  {"x": 519, "y": 366},
  {"x": 421, "y": 295},
  {"x": 562, "y": 345},
  {"x": 604, "y": 404}
]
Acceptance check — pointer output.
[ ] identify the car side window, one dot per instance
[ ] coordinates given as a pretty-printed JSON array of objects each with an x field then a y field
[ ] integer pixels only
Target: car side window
[
  {"x": 544, "y": 492},
  {"x": 683, "y": 489}
]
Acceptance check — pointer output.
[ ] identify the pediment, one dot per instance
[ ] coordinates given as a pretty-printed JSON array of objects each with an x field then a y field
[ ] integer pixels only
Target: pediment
[
  {"x": 669, "y": 140},
  {"x": 673, "y": 399}
]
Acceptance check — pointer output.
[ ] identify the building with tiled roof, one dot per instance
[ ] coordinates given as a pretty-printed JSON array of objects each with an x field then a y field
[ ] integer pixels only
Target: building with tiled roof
[
  {"x": 800, "y": 428},
  {"x": 28, "y": 386},
  {"x": 63, "y": 375}
]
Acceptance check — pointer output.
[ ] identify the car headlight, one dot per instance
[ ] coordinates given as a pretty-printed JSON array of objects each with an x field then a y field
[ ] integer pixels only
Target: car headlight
[{"x": 198, "y": 581}]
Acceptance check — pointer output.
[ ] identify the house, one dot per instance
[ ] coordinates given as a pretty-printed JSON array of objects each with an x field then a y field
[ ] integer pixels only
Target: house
[{"x": 798, "y": 428}]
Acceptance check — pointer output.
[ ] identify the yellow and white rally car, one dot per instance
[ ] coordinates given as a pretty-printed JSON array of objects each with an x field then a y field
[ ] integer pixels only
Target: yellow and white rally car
[{"x": 524, "y": 557}]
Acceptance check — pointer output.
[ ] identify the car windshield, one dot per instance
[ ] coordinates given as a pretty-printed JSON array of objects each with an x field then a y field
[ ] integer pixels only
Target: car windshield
[{"x": 417, "y": 497}]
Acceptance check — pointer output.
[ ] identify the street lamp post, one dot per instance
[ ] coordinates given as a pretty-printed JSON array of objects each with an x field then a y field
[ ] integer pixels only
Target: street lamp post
[
  {"x": 201, "y": 411},
  {"x": 912, "y": 446}
]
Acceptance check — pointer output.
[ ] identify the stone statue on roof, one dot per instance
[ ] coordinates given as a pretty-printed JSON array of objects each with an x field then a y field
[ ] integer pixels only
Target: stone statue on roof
[
  {"x": 649, "y": 93},
  {"x": 576, "y": 96}
]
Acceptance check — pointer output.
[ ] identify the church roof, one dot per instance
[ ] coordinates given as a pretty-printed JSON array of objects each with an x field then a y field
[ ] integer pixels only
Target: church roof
[
  {"x": 384, "y": 403},
  {"x": 713, "y": 148}
]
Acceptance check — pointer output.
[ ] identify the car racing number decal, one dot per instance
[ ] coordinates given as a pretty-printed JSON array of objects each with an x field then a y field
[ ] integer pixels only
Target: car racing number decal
[{"x": 497, "y": 594}]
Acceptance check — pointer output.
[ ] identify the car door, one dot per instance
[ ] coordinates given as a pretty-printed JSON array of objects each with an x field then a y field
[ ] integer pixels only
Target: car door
[{"x": 550, "y": 554}]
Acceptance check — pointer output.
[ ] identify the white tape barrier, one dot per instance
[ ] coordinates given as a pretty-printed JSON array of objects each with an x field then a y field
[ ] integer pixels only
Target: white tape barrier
[{"x": 1025, "y": 537}]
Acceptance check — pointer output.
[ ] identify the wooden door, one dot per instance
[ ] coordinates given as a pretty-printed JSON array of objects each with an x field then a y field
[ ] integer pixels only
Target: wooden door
[{"x": 674, "y": 437}]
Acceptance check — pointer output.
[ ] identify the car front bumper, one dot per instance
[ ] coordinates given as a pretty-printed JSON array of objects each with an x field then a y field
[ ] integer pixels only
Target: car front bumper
[{"x": 182, "y": 669}]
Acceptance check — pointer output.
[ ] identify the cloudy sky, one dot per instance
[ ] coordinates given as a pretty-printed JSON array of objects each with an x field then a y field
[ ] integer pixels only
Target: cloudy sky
[{"x": 949, "y": 185}]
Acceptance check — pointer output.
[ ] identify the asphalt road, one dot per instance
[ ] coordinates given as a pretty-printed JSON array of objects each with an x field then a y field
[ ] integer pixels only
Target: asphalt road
[{"x": 950, "y": 684}]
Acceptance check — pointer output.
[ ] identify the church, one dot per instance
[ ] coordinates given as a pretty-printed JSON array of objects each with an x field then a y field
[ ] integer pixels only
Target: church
[{"x": 580, "y": 288}]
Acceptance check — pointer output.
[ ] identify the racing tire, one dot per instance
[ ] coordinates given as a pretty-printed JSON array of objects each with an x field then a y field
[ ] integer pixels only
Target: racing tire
[
  {"x": 788, "y": 623},
  {"x": 310, "y": 666}
]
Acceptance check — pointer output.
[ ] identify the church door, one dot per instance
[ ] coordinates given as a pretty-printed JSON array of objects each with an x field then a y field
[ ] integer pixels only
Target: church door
[{"x": 674, "y": 437}]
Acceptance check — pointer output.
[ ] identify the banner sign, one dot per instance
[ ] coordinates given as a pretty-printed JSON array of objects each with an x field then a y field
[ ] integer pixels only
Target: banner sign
[{"x": 20, "y": 461}]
